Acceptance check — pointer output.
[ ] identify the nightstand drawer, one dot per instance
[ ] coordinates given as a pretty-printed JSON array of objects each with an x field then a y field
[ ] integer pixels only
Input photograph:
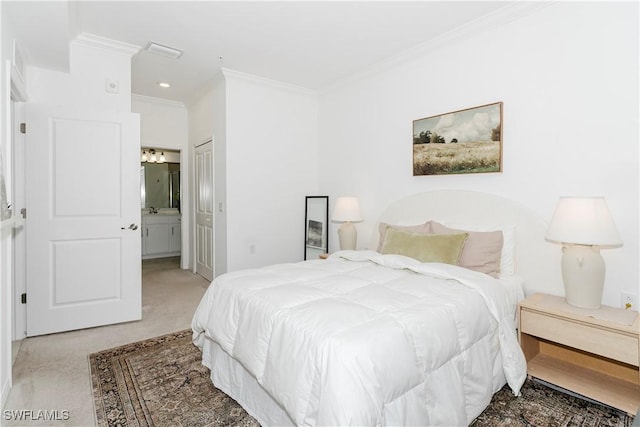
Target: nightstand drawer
[{"x": 596, "y": 340}]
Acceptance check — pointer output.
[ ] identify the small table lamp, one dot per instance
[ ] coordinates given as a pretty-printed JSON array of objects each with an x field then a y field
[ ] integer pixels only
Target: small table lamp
[
  {"x": 347, "y": 210},
  {"x": 583, "y": 225}
]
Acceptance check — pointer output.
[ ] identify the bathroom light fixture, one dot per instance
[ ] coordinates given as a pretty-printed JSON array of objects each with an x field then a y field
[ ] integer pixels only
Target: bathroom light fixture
[
  {"x": 152, "y": 157},
  {"x": 583, "y": 225},
  {"x": 164, "y": 85},
  {"x": 160, "y": 49}
]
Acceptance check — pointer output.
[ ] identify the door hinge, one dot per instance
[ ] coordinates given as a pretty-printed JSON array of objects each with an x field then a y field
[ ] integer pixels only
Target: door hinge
[
  {"x": 23, "y": 128},
  {"x": 23, "y": 212},
  {"x": 23, "y": 298}
]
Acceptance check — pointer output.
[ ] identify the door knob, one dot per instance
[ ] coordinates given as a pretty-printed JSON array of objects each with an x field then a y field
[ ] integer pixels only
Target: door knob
[{"x": 133, "y": 227}]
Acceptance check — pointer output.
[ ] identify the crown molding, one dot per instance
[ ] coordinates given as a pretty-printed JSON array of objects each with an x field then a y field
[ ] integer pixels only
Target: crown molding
[
  {"x": 154, "y": 100},
  {"x": 510, "y": 12},
  {"x": 239, "y": 75},
  {"x": 113, "y": 46}
]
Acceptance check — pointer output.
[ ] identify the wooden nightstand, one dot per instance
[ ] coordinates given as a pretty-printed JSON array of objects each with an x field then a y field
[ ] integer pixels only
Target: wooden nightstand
[{"x": 594, "y": 353}]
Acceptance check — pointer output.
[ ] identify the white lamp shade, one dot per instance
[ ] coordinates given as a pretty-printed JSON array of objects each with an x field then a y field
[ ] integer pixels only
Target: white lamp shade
[
  {"x": 347, "y": 209},
  {"x": 583, "y": 221}
]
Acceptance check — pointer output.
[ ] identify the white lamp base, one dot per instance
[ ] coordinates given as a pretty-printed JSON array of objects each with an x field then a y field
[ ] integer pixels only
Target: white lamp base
[
  {"x": 583, "y": 275},
  {"x": 347, "y": 234}
]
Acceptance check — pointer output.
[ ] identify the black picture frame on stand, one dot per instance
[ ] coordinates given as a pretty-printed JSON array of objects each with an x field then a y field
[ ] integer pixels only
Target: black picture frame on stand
[{"x": 316, "y": 226}]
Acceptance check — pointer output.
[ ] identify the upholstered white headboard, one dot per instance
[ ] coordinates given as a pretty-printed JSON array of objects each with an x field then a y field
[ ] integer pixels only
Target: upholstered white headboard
[{"x": 537, "y": 260}]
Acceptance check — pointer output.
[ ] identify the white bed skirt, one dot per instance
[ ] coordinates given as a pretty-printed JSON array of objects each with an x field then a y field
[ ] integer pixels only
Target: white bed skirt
[{"x": 232, "y": 378}]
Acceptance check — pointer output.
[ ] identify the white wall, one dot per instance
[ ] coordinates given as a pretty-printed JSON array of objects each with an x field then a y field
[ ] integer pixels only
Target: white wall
[
  {"x": 218, "y": 98},
  {"x": 165, "y": 124},
  {"x": 271, "y": 165},
  {"x": 568, "y": 77},
  {"x": 201, "y": 118},
  {"x": 6, "y": 40},
  {"x": 265, "y": 163},
  {"x": 85, "y": 85}
]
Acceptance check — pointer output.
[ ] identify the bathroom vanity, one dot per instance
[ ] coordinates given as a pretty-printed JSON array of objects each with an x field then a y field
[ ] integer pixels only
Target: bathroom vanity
[{"x": 161, "y": 234}]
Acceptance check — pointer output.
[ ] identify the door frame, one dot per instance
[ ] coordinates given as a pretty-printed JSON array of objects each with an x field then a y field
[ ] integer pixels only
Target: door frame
[
  {"x": 19, "y": 238},
  {"x": 185, "y": 205}
]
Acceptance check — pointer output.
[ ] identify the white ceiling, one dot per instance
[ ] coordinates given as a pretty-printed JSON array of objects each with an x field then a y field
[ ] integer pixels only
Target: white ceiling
[{"x": 305, "y": 43}]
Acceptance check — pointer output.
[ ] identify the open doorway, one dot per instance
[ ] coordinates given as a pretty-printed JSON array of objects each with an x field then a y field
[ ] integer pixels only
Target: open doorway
[{"x": 160, "y": 196}]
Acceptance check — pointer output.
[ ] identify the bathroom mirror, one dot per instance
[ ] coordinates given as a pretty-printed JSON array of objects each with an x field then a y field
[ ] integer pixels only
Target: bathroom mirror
[
  {"x": 316, "y": 226},
  {"x": 160, "y": 185}
]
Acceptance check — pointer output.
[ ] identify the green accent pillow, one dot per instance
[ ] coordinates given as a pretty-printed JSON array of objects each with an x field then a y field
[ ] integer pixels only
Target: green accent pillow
[{"x": 445, "y": 248}]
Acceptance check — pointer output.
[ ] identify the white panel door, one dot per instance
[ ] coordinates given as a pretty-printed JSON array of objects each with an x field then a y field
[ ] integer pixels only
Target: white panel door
[
  {"x": 83, "y": 212},
  {"x": 204, "y": 210}
]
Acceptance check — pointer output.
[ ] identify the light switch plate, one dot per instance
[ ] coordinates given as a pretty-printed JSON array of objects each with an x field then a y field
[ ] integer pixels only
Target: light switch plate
[{"x": 112, "y": 86}]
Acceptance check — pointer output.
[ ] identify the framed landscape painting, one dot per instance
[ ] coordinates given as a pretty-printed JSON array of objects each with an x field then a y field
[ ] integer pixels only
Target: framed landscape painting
[
  {"x": 315, "y": 233},
  {"x": 464, "y": 141}
]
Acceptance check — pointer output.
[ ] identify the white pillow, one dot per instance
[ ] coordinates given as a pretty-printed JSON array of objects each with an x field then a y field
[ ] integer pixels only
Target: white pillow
[{"x": 508, "y": 256}]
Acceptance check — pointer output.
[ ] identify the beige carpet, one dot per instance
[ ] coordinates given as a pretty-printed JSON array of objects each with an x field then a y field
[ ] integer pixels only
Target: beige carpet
[
  {"x": 51, "y": 371},
  {"x": 161, "y": 382}
]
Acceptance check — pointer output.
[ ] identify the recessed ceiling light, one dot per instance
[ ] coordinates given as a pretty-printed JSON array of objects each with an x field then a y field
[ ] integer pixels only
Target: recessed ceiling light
[
  {"x": 163, "y": 50},
  {"x": 164, "y": 84}
]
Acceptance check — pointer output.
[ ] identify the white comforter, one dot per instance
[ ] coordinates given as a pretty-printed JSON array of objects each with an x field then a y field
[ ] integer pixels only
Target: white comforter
[{"x": 334, "y": 342}]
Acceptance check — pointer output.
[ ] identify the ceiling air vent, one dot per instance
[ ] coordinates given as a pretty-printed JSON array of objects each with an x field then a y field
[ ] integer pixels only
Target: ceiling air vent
[{"x": 160, "y": 49}]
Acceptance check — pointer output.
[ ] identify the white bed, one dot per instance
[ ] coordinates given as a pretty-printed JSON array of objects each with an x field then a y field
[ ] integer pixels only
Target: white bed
[{"x": 368, "y": 339}]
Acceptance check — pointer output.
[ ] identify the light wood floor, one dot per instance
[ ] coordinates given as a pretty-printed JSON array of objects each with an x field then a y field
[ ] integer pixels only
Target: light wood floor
[{"x": 51, "y": 372}]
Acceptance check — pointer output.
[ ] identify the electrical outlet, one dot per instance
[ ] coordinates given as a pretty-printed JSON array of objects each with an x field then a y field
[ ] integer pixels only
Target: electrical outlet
[{"x": 629, "y": 301}]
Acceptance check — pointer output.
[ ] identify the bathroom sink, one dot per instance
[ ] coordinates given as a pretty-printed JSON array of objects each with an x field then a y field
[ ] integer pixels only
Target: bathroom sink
[{"x": 168, "y": 211}]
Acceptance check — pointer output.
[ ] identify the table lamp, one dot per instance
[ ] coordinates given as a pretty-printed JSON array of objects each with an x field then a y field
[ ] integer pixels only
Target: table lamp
[
  {"x": 347, "y": 210},
  {"x": 583, "y": 225}
]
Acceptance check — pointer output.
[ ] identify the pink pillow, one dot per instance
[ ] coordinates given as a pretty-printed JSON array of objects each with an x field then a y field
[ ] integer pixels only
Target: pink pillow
[
  {"x": 481, "y": 251},
  {"x": 418, "y": 228}
]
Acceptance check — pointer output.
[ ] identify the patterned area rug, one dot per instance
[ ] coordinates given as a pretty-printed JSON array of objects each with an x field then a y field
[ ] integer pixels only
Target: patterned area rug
[
  {"x": 541, "y": 406},
  {"x": 161, "y": 382}
]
